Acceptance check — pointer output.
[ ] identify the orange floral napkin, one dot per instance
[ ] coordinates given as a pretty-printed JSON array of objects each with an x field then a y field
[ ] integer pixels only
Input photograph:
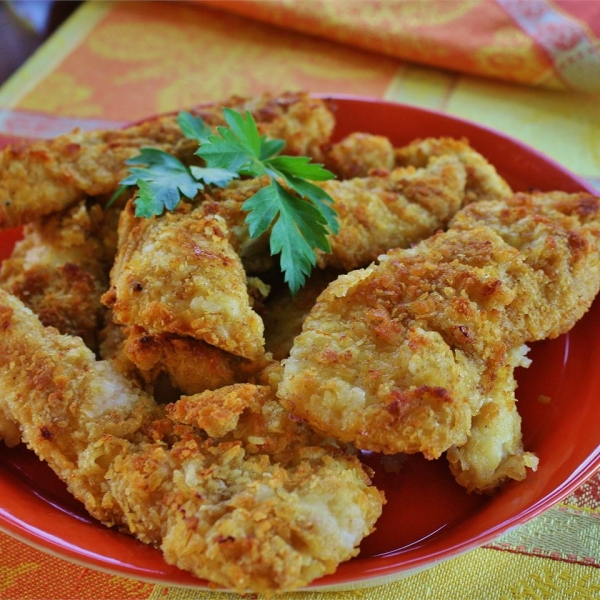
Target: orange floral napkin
[{"x": 553, "y": 43}]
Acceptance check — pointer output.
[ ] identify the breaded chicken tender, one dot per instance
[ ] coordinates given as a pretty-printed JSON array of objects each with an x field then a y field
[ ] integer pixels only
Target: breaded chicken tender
[
  {"x": 242, "y": 520},
  {"x": 483, "y": 181},
  {"x": 42, "y": 177},
  {"x": 39, "y": 178},
  {"x": 221, "y": 508},
  {"x": 65, "y": 403},
  {"x": 394, "y": 210},
  {"x": 191, "y": 365},
  {"x": 179, "y": 274},
  {"x": 494, "y": 450},
  {"x": 375, "y": 213},
  {"x": 396, "y": 357},
  {"x": 558, "y": 235},
  {"x": 60, "y": 270},
  {"x": 416, "y": 353},
  {"x": 359, "y": 154}
]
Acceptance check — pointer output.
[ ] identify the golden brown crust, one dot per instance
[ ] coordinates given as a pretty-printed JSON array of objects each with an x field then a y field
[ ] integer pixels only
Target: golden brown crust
[
  {"x": 179, "y": 274},
  {"x": 191, "y": 366},
  {"x": 558, "y": 235},
  {"x": 392, "y": 357},
  {"x": 416, "y": 353},
  {"x": 262, "y": 508},
  {"x": 359, "y": 154},
  {"x": 392, "y": 210},
  {"x": 47, "y": 176},
  {"x": 483, "y": 181},
  {"x": 60, "y": 270}
]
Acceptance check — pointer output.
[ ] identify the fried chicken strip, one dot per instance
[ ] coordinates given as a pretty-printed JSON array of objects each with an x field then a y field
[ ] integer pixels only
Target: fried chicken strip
[
  {"x": 42, "y": 177},
  {"x": 179, "y": 274},
  {"x": 398, "y": 356},
  {"x": 483, "y": 181},
  {"x": 361, "y": 154},
  {"x": 375, "y": 213},
  {"x": 191, "y": 366},
  {"x": 224, "y": 509},
  {"x": 65, "y": 402},
  {"x": 416, "y": 354},
  {"x": 60, "y": 270},
  {"x": 557, "y": 234},
  {"x": 393, "y": 210}
]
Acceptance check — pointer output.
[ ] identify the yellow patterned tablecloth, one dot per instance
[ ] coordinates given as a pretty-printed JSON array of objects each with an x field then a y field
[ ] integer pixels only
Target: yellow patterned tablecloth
[{"x": 115, "y": 62}]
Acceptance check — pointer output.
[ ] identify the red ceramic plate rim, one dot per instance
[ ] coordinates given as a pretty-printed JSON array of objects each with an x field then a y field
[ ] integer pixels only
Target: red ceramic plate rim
[{"x": 523, "y": 167}]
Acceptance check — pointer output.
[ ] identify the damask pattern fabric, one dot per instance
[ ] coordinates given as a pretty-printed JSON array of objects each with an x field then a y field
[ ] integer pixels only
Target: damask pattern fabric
[{"x": 538, "y": 42}]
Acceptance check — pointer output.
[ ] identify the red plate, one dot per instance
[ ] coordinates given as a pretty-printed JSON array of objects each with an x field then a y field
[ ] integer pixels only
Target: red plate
[{"x": 428, "y": 517}]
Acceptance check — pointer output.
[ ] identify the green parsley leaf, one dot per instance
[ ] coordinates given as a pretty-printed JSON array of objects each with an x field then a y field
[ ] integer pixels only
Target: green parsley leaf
[
  {"x": 226, "y": 151},
  {"x": 299, "y": 166},
  {"x": 244, "y": 129},
  {"x": 319, "y": 197},
  {"x": 298, "y": 228},
  {"x": 300, "y": 215},
  {"x": 162, "y": 179},
  {"x": 213, "y": 176},
  {"x": 270, "y": 147},
  {"x": 153, "y": 198},
  {"x": 193, "y": 127}
]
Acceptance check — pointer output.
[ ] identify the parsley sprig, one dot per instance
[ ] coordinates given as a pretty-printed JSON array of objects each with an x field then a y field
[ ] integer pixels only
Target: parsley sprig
[{"x": 298, "y": 212}]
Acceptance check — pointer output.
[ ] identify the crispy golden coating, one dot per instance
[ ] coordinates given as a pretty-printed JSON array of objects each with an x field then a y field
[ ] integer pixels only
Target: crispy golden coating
[
  {"x": 42, "y": 177},
  {"x": 494, "y": 450},
  {"x": 394, "y": 210},
  {"x": 483, "y": 181},
  {"x": 190, "y": 365},
  {"x": 222, "y": 508},
  {"x": 65, "y": 402},
  {"x": 60, "y": 270},
  {"x": 39, "y": 178},
  {"x": 241, "y": 520},
  {"x": 304, "y": 123},
  {"x": 358, "y": 154},
  {"x": 218, "y": 412},
  {"x": 248, "y": 412},
  {"x": 361, "y": 154},
  {"x": 179, "y": 274},
  {"x": 396, "y": 357},
  {"x": 375, "y": 213},
  {"x": 400, "y": 357},
  {"x": 558, "y": 236}
]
